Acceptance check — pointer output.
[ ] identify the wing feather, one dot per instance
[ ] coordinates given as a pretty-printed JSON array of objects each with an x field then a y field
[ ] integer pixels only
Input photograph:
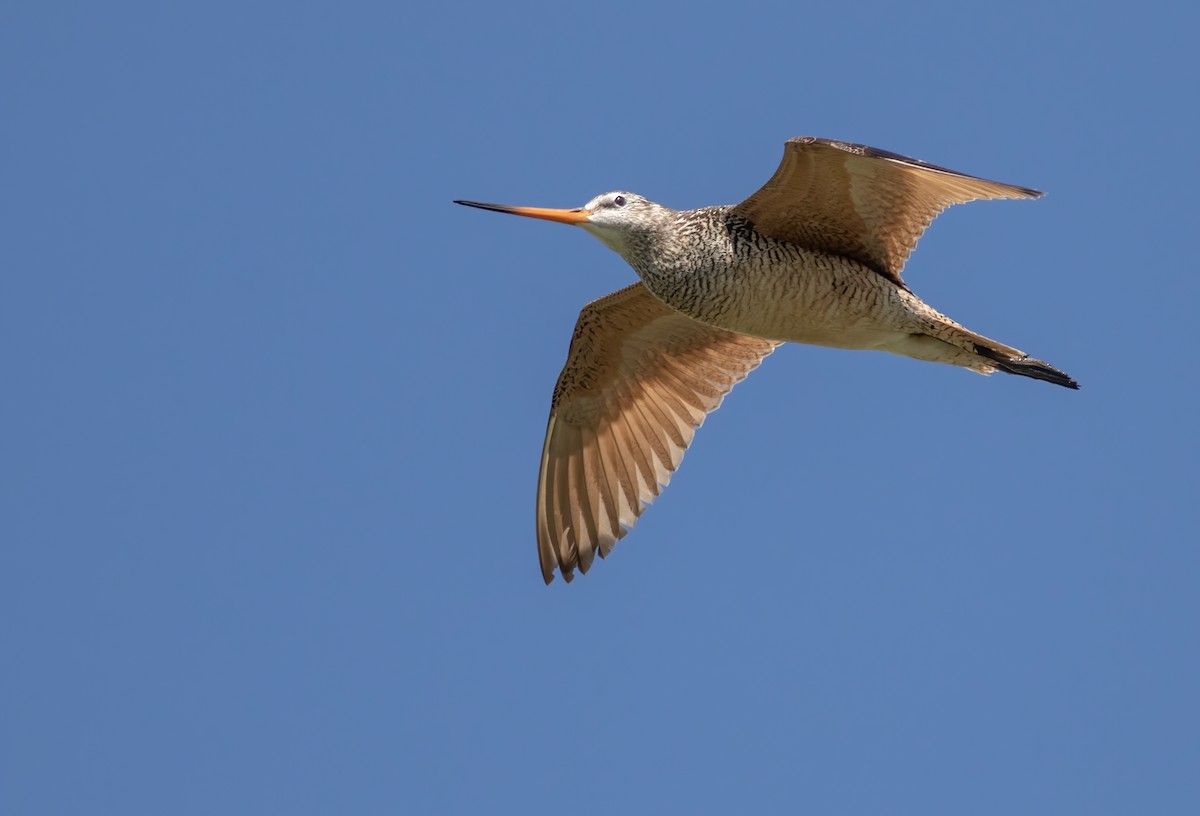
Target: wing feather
[
  {"x": 606, "y": 488},
  {"x": 584, "y": 504}
]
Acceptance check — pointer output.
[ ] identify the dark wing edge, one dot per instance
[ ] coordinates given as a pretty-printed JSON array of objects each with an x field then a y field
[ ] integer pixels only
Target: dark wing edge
[{"x": 1010, "y": 190}]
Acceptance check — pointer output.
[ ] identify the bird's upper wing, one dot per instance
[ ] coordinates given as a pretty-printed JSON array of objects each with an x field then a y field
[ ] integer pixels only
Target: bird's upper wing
[
  {"x": 639, "y": 379},
  {"x": 854, "y": 200}
]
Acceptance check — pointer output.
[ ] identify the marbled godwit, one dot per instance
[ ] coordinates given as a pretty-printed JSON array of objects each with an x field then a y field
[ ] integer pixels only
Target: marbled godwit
[{"x": 813, "y": 257}]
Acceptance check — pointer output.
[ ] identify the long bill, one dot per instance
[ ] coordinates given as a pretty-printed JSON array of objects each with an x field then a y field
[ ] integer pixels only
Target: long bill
[{"x": 575, "y": 216}]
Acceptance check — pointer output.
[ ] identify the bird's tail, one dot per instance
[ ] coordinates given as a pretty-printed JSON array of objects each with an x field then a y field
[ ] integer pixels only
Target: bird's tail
[
  {"x": 1024, "y": 365},
  {"x": 948, "y": 342}
]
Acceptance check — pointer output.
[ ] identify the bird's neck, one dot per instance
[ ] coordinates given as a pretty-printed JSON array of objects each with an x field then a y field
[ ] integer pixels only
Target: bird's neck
[{"x": 691, "y": 242}]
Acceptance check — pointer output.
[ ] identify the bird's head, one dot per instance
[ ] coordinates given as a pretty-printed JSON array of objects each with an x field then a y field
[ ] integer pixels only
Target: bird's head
[{"x": 623, "y": 221}]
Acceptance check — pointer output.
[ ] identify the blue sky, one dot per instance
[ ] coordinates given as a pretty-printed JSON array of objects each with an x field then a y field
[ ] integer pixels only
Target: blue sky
[{"x": 273, "y": 410}]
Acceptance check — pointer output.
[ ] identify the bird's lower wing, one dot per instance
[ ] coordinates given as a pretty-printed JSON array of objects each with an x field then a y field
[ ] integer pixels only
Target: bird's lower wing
[{"x": 639, "y": 379}]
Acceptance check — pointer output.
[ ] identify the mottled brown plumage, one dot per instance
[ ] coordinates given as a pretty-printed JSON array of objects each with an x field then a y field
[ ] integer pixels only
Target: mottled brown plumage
[
  {"x": 640, "y": 377},
  {"x": 814, "y": 256}
]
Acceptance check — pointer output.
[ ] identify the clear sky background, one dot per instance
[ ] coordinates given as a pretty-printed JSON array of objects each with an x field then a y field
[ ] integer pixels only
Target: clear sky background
[{"x": 273, "y": 408}]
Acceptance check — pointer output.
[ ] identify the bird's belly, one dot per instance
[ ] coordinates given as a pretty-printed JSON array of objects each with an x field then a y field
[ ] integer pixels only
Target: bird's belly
[{"x": 802, "y": 297}]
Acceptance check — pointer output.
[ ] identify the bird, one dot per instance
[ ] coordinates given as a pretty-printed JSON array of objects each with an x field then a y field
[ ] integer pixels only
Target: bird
[{"x": 814, "y": 256}]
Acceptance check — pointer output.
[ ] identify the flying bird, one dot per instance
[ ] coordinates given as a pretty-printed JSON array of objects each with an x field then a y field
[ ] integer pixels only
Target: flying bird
[{"x": 813, "y": 257}]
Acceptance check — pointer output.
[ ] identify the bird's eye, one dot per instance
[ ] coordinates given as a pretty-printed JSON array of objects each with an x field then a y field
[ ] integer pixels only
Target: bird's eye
[{"x": 619, "y": 201}]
